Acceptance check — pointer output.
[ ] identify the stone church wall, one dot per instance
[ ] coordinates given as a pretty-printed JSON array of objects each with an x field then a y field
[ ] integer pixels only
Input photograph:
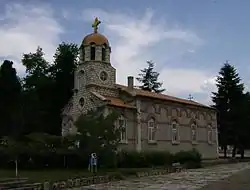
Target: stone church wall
[{"x": 164, "y": 114}]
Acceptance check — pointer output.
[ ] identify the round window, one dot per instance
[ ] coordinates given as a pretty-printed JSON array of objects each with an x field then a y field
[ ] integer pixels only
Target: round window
[
  {"x": 81, "y": 102},
  {"x": 82, "y": 71},
  {"x": 103, "y": 76}
]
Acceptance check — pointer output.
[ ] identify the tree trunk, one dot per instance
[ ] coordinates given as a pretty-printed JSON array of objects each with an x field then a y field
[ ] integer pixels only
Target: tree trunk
[
  {"x": 16, "y": 168},
  {"x": 225, "y": 151},
  {"x": 242, "y": 153},
  {"x": 234, "y": 152},
  {"x": 65, "y": 161}
]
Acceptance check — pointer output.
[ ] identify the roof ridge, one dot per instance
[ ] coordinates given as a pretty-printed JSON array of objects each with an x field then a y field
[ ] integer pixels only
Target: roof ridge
[{"x": 140, "y": 92}]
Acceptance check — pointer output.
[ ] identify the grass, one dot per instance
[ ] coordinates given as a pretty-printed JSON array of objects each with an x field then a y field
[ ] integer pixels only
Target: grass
[
  {"x": 64, "y": 174},
  {"x": 46, "y": 175}
]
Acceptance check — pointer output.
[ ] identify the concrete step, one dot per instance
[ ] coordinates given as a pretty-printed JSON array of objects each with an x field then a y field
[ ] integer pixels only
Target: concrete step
[
  {"x": 18, "y": 183},
  {"x": 12, "y": 183},
  {"x": 12, "y": 178}
]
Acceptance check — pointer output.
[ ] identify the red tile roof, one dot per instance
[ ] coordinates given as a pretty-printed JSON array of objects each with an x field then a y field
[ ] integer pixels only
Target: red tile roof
[
  {"x": 139, "y": 92},
  {"x": 117, "y": 102}
]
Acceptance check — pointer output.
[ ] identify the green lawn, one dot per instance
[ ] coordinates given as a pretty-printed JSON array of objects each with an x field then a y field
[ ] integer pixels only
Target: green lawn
[
  {"x": 63, "y": 174},
  {"x": 50, "y": 175}
]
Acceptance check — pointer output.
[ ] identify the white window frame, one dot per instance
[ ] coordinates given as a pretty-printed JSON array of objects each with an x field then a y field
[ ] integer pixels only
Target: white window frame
[
  {"x": 209, "y": 134},
  {"x": 124, "y": 133},
  {"x": 152, "y": 127},
  {"x": 193, "y": 131},
  {"x": 175, "y": 131}
]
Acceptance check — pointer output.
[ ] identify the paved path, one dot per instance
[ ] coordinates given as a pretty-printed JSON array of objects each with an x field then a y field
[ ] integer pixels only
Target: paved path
[
  {"x": 189, "y": 180},
  {"x": 239, "y": 181}
]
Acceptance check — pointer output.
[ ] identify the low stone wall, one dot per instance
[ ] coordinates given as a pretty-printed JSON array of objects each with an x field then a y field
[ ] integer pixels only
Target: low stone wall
[
  {"x": 80, "y": 182},
  {"x": 159, "y": 172}
]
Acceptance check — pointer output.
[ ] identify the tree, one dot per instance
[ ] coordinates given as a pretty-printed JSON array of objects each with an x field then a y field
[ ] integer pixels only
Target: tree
[
  {"x": 38, "y": 86},
  {"x": 228, "y": 101},
  {"x": 98, "y": 133},
  {"x": 149, "y": 79},
  {"x": 13, "y": 149},
  {"x": 10, "y": 100},
  {"x": 63, "y": 74},
  {"x": 244, "y": 123},
  {"x": 48, "y": 88}
]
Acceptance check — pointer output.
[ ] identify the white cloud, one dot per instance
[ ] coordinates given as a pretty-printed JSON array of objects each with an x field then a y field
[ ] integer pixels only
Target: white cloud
[
  {"x": 23, "y": 28},
  {"x": 186, "y": 80},
  {"x": 135, "y": 40}
]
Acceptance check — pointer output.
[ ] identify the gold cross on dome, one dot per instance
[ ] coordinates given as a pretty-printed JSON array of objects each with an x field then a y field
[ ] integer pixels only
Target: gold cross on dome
[{"x": 95, "y": 24}]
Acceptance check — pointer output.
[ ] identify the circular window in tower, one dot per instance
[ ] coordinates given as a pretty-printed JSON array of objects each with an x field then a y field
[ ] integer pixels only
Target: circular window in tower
[
  {"x": 103, "y": 76},
  {"x": 81, "y": 102}
]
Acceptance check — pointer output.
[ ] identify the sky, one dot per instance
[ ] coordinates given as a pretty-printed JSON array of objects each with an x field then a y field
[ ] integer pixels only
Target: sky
[{"x": 188, "y": 40}]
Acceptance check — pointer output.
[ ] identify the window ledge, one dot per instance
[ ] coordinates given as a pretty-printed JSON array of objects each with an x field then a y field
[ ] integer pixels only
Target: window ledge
[
  {"x": 124, "y": 142},
  {"x": 194, "y": 143},
  {"x": 210, "y": 142},
  {"x": 175, "y": 142},
  {"x": 152, "y": 142}
]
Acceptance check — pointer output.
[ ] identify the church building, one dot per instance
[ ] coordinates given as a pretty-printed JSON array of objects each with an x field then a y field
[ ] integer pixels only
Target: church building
[{"x": 151, "y": 121}]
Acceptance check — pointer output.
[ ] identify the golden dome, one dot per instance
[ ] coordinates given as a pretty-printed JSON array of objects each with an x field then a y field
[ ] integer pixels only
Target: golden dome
[{"x": 96, "y": 38}]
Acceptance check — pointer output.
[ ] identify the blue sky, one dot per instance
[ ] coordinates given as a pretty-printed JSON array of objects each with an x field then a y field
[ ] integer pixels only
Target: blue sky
[{"x": 187, "y": 39}]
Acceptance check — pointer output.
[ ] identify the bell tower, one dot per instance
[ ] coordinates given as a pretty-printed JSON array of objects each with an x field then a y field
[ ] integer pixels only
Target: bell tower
[
  {"x": 94, "y": 67},
  {"x": 95, "y": 46}
]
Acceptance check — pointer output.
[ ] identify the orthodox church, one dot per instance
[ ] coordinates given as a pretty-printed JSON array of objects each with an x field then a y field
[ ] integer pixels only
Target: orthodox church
[{"x": 151, "y": 121}]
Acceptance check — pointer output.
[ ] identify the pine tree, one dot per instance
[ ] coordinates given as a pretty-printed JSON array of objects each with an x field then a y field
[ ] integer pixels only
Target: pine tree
[
  {"x": 149, "y": 79},
  {"x": 228, "y": 100},
  {"x": 10, "y": 99}
]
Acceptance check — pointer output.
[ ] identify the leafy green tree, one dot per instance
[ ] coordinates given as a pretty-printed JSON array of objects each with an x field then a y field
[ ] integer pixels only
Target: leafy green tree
[
  {"x": 48, "y": 88},
  {"x": 10, "y": 100},
  {"x": 98, "y": 133},
  {"x": 65, "y": 62},
  {"x": 38, "y": 86},
  {"x": 149, "y": 79},
  {"x": 228, "y": 101}
]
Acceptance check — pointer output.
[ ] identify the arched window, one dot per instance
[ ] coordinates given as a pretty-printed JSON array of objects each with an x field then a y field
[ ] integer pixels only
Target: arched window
[
  {"x": 92, "y": 53},
  {"x": 209, "y": 134},
  {"x": 70, "y": 126},
  {"x": 81, "y": 102},
  {"x": 193, "y": 132},
  {"x": 122, "y": 124},
  {"x": 104, "y": 53},
  {"x": 175, "y": 133},
  {"x": 152, "y": 130}
]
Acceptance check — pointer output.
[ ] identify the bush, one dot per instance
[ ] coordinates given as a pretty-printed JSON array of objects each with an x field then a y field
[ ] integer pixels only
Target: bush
[
  {"x": 159, "y": 158},
  {"x": 190, "y": 159},
  {"x": 106, "y": 159},
  {"x": 143, "y": 159},
  {"x": 132, "y": 159}
]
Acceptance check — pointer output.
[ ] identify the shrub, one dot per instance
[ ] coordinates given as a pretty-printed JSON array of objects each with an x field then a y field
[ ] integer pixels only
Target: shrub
[
  {"x": 131, "y": 159},
  {"x": 159, "y": 158},
  {"x": 190, "y": 159},
  {"x": 134, "y": 159}
]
